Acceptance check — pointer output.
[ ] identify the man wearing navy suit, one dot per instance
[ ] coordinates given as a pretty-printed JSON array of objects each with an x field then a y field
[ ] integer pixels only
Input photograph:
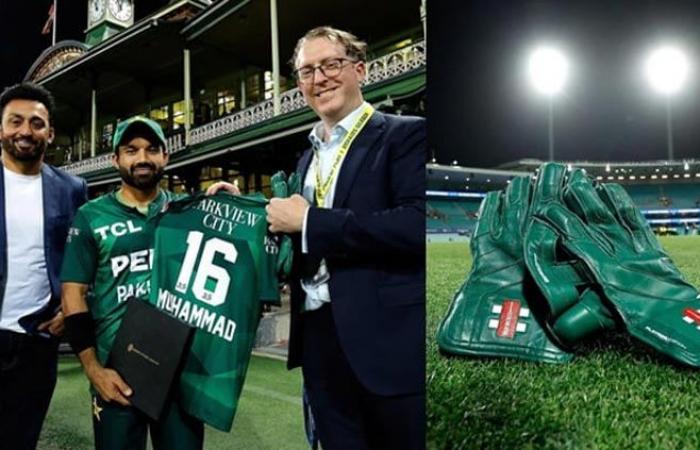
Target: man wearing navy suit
[
  {"x": 37, "y": 204},
  {"x": 358, "y": 307}
]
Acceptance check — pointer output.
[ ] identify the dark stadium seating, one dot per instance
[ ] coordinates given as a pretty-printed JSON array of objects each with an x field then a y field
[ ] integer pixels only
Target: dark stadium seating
[
  {"x": 670, "y": 208},
  {"x": 665, "y": 196},
  {"x": 452, "y": 216}
]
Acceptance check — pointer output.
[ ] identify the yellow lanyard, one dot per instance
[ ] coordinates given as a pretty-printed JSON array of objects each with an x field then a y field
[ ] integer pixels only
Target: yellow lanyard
[{"x": 324, "y": 186}]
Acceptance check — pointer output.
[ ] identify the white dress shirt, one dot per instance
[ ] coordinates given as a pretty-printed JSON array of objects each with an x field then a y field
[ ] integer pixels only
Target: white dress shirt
[{"x": 318, "y": 293}]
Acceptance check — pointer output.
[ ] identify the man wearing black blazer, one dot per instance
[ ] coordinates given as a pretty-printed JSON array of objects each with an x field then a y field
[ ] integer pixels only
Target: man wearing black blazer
[
  {"x": 37, "y": 205},
  {"x": 358, "y": 297}
]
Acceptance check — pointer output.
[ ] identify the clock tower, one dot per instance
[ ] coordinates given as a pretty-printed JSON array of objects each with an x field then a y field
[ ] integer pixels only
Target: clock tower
[{"x": 107, "y": 18}]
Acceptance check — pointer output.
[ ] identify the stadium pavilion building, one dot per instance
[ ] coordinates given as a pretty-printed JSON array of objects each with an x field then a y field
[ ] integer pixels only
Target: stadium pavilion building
[{"x": 214, "y": 75}]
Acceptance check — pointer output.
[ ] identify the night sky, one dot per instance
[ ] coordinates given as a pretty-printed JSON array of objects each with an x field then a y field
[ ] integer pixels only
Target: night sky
[
  {"x": 21, "y": 21},
  {"x": 482, "y": 112}
]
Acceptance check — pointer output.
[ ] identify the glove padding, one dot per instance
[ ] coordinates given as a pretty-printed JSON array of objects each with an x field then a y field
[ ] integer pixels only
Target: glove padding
[
  {"x": 294, "y": 184},
  {"x": 278, "y": 185},
  {"x": 490, "y": 314},
  {"x": 573, "y": 308},
  {"x": 282, "y": 187},
  {"x": 599, "y": 230}
]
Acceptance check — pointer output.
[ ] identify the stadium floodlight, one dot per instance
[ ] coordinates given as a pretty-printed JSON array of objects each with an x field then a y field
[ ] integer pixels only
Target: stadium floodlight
[
  {"x": 548, "y": 70},
  {"x": 667, "y": 70}
]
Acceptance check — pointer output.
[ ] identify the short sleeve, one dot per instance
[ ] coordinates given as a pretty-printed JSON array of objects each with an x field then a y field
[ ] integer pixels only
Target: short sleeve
[{"x": 80, "y": 258}]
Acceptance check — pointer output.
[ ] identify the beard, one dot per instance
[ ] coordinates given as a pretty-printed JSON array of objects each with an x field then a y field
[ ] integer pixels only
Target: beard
[
  {"x": 142, "y": 182},
  {"x": 10, "y": 145}
]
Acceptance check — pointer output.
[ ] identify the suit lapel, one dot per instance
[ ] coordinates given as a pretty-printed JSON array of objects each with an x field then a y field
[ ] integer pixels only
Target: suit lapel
[
  {"x": 357, "y": 153},
  {"x": 3, "y": 229},
  {"x": 3, "y": 235},
  {"x": 51, "y": 192},
  {"x": 303, "y": 166}
]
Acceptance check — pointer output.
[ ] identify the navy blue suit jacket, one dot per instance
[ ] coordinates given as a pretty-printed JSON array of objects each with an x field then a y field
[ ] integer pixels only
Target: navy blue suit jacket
[
  {"x": 63, "y": 194},
  {"x": 373, "y": 240}
]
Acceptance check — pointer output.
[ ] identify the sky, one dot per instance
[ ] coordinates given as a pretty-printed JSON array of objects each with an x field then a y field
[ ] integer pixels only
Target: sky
[
  {"x": 21, "y": 22},
  {"x": 21, "y": 41},
  {"x": 483, "y": 113}
]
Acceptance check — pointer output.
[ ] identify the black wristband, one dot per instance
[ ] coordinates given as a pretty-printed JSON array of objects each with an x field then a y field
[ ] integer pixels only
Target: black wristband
[{"x": 80, "y": 331}]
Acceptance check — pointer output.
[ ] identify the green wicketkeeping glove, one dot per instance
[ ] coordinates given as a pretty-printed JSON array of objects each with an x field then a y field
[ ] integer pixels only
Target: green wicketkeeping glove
[
  {"x": 573, "y": 309},
  {"x": 601, "y": 228},
  {"x": 278, "y": 185},
  {"x": 294, "y": 184},
  {"x": 283, "y": 187},
  {"x": 490, "y": 314}
]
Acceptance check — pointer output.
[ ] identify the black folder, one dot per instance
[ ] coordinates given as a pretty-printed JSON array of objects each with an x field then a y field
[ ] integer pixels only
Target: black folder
[{"x": 147, "y": 353}]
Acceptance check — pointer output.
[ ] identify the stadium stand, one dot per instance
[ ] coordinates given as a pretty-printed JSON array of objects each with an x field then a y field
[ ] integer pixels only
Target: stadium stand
[
  {"x": 666, "y": 192},
  {"x": 654, "y": 196},
  {"x": 454, "y": 216}
]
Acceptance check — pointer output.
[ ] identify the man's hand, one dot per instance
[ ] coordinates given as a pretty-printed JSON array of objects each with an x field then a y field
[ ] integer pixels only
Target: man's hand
[
  {"x": 286, "y": 215},
  {"x": 223, "y": 185},
  {"x": 53, "y": 325},
  {"x": 108, "y": 384}
]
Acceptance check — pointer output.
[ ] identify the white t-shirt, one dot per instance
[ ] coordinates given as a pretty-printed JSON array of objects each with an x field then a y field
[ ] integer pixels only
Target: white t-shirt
[{"x": 28, "y": 289}]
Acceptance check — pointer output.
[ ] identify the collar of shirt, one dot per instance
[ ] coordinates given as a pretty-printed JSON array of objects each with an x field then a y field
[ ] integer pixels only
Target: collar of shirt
[
  {"x": 337, "y": 132},
  {"x": 154, "y": 206}
]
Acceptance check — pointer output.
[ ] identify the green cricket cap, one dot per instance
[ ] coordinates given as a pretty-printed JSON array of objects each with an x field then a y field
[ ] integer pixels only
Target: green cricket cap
[{"x": 141, "y": 123}]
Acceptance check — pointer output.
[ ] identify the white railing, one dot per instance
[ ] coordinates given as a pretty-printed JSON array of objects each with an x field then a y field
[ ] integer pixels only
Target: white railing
[
  {"x": 389, "y": 66},
  {"x": 89, "y": 165},
  {"x": 173, "y": 143},
  {"x": 396, "y": 63}
]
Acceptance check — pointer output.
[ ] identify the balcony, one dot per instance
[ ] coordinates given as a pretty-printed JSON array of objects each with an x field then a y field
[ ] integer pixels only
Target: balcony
[{"x": 390, "y": 66}]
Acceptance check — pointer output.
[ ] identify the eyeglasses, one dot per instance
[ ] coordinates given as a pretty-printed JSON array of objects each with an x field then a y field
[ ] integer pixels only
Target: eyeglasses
[{"x": 329, "y": 68}]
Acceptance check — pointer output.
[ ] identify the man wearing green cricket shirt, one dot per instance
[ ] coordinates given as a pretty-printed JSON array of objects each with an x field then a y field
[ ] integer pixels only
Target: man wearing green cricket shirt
[{"x": 110, "y": 247}]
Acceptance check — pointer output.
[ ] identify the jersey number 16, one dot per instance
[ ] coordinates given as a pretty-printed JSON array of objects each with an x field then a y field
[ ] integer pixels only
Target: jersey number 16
[{"x": 206, "y": 270}]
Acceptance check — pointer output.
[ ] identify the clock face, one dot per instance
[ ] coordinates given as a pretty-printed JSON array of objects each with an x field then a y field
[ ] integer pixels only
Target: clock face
[
  {"x": 96, "y": 10},
  {"x": 121, "y": 9}
]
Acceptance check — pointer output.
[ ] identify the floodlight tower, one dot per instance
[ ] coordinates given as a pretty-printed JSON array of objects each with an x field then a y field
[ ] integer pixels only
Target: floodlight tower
[
  {"x": 667, "y": 69},
  {"x": 548, "y": 70}
]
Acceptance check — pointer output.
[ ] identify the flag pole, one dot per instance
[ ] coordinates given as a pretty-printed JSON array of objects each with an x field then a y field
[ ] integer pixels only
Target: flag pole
[{"x": 55, "y": 17}]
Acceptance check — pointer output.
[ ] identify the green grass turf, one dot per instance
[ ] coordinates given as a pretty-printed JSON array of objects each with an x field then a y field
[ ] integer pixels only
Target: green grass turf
[
  {"x": 269, "y": 415},
  {"x": 616, "y": 394}
]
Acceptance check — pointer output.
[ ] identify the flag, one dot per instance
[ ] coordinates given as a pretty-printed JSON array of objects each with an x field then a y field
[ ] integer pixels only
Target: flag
[{"x": 49, "y": 21}]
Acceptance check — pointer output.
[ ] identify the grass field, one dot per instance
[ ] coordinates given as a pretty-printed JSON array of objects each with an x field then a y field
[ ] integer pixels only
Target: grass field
[
  {"x": 615, "y": 394},
  {"x": 269, "y": 415}
]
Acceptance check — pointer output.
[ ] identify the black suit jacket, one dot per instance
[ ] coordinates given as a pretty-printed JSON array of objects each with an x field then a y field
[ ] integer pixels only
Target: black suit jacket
[
  {"x": 373, "y": 240},
  {"x": 62, "y": 194}
]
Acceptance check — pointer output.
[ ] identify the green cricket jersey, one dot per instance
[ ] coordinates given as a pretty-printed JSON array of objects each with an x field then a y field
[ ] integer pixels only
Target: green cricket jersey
[
  {"x": 110, "y": 247},
  {"x": 209, "y": 271}
]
